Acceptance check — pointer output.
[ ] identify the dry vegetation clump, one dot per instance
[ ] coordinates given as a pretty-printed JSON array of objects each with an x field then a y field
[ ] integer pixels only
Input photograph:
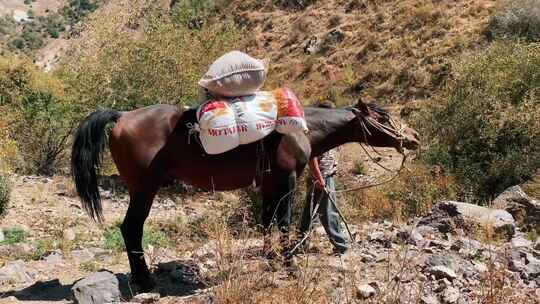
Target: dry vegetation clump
[
  {"x": 518, "y": 19},
  {"x": 413, "y": 193},
  {"x": 397, "y": 50},
  {"x": 136, "y": 53},
  {"x": 5, "y": 193}
]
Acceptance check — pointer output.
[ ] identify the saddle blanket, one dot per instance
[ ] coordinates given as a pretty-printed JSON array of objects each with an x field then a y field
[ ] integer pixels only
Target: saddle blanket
[{"x": 224, "y": 124}]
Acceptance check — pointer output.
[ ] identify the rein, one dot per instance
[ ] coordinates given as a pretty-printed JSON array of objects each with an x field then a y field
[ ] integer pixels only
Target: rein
[{"x": 395, "y": 131}]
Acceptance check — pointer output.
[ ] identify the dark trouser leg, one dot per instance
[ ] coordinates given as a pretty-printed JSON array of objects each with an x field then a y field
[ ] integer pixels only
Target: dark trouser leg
[
  {"x": 330, "y": 218},
  {"x": 132, "y": 232}
]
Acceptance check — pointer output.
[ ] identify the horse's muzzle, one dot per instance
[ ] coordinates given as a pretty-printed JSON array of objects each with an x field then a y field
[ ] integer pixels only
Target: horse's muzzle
[{"x": 411, "y": 139}]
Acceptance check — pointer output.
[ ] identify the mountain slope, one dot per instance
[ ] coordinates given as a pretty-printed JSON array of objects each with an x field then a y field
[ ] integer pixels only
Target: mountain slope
[{"x": 398, "y": 50}]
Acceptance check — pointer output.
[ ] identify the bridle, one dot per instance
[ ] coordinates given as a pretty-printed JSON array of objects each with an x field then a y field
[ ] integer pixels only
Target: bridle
[{"x": 395, "y": 130}]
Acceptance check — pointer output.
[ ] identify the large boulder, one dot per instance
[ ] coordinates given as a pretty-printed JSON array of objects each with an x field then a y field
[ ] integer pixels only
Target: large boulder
[
  {"x": 15, "y": 273},
  {"x": 525, "y": 210},
  {"x": 448, "y": 215},
  {"x": 98, "y": 288}
]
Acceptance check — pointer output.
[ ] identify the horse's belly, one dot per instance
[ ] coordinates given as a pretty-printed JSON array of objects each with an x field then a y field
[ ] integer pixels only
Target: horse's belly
[{"x": 218, "y": 175}]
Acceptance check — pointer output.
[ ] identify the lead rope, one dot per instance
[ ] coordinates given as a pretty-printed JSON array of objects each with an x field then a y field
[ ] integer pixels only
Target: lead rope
[{"x": 393, "y": 131}]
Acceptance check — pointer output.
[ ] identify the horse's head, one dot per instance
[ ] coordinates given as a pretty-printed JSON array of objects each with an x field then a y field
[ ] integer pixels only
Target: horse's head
[{"x": 376, "y": 127}]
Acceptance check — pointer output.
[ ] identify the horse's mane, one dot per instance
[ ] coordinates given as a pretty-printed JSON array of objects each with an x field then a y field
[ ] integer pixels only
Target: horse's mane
[{"x": 374, "y": 107}]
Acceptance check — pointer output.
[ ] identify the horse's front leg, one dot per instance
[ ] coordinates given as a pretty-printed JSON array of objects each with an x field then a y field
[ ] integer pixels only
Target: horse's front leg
[{"x": 132, "y": 232}]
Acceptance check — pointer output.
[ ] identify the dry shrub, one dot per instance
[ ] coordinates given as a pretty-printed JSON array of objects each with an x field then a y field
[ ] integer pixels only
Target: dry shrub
[
  {"x": 9, "y": 152},
  {"x": 136, "y": 53},
  {"x": 5, "y": 193},
  {"x": 532, "y": 187},
  {"x": 518, "y": 19},
  {"x": 411, "y": 194},
  {"x": 398, "y": 49},
  {"x": 294, "y": 4}
]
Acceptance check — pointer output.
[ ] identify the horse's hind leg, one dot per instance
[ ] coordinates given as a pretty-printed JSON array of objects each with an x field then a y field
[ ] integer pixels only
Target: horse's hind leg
[
  {"x": 132, "y": 232},
  {"x": 279, "y": 191}
]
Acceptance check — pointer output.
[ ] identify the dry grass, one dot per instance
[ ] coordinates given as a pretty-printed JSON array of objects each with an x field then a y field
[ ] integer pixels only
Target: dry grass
[
  {"x": 398, "y": 49},
  {"x": 412, "y": 194}
]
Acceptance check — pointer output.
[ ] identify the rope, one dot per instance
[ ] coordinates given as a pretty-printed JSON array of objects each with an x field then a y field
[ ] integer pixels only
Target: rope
[
  {"x": 193, "y": 129},
  {"x": 313, "y": 214},
  {"x": 395, "y": 132}
]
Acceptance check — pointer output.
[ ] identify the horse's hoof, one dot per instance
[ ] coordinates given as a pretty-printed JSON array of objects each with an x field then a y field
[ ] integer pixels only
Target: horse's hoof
[{"x": 144, "y": 283}]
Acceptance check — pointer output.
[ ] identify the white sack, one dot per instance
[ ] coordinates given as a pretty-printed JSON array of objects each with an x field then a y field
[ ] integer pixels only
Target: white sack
[{"x": 234, "y": 74}]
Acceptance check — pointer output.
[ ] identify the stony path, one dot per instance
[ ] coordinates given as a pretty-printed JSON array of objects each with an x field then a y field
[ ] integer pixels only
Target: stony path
[{"x": 203, "y": 250}]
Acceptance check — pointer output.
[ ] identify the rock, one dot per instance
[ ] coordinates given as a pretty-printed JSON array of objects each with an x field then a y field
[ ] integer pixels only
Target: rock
[
  {"x": 82, "y": 256},
  {"x": 69, "y": 235},
  {"x": 98, "y": 288},
  {"x": 480, "y": 267},
  {"x": 207, "y": 251},
  {"x": 519, "y": 240},
  {"x": 448, "y": 215},
  {"x": 442, "y": 272},
  {"x": 101, "y": 254},
  {"x": 429, "y": 299},
  {"x": 146, "y": 298},
  {"x": 312, "y": 46},
  {"x": 376, "y": 236},
  {"x": 2, "y": 237},
  {"x": 453, "y": 262},
  {"x": 365, "y": 291},
  {"x": 450, "y": 295},
  {"x": 524, "y": 263},
  {"x": 366, "y": 257},
  {"x": 439, "y": 244},
  {"x": 379, "y": 237},
  {"x": 10, "y": 299},
  {"x": 15, "y": 273},
  {"x": 54, "y": 258},
  {"x": 525, "y": 210},
  {"x": 21, "y": 249},
  {"x": 532, "y": 268},
  {"x": 411, "y": 236},
  {"x": 334, "y": 36}
]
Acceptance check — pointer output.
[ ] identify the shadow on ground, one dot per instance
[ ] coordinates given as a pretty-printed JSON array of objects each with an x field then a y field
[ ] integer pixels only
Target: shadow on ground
[{"x": 176, "y": 278}]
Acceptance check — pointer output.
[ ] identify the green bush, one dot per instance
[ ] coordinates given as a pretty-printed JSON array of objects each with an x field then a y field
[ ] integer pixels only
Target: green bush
[
  {"x": 519, "y": 19},
  {"x": 486, "y": 127},
  {"x": 42, "y": 130},
  {"x": 5, "y": 193},
  {"x": 38, "y": 113},
  {"x": 161, "y": 64},
  {"x": 14, "y": 236}
]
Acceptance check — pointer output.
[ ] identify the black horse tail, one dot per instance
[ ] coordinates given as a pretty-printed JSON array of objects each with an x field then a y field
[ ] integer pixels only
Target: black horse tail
[{"x": 88, "y": 145}]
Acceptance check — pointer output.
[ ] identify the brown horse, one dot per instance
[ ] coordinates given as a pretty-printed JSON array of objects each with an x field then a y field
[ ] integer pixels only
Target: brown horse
[{"x": 153, "y": 145}]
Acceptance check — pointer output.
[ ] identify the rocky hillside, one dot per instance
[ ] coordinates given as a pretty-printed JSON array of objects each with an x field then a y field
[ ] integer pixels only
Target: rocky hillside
[
  {"x": 398, "y": 51},
  {"x": 202, "y": 250}
]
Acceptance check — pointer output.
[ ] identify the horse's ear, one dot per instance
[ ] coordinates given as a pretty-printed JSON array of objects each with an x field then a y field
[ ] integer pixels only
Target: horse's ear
[{"x": 363, "y": 107}]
